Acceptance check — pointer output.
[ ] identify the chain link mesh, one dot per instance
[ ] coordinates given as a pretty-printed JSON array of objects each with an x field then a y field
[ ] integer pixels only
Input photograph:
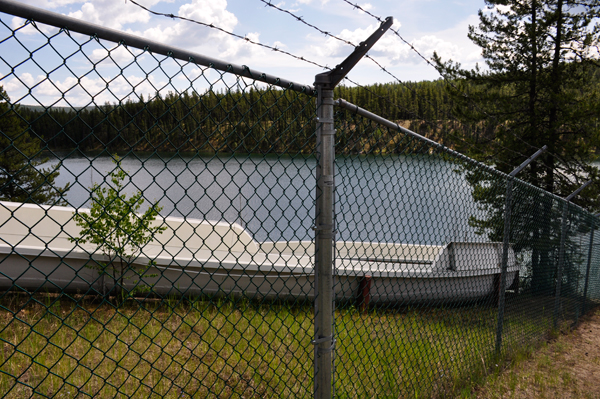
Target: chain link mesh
[
  {"x": 156, "y": 238},
  {"x": 193, "y": 276},
  {"x": 418, "y": 265}
]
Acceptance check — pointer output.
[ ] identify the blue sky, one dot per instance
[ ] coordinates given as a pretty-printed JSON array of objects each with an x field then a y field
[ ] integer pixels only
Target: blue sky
[{"x": 428, "y": 24}]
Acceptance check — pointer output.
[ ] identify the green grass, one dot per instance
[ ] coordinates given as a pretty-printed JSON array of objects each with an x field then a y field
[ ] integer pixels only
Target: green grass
[{"x": 229, "y": 348}]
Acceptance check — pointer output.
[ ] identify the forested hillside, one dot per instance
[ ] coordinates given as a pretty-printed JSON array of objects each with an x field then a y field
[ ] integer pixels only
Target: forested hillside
[{"x": 254, "y": 121}]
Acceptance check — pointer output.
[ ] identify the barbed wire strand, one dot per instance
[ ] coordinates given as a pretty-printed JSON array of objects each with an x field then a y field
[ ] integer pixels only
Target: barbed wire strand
[
  {"x": 302, "y": 58},
  {"x": 245, "y": 38},
  {"x": 385, "y": 70},
  {"x": 473, "y": 103}
]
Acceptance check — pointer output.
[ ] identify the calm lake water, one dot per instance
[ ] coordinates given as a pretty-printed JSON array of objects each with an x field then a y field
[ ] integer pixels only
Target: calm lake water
[{"x": 415, "y": 199}]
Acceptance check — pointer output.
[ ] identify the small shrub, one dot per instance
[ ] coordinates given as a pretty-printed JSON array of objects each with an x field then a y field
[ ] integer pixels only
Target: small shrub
[{"x": 119, "y": 232}]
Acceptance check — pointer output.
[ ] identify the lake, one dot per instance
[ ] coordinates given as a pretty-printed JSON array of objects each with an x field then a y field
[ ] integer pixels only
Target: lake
[{"x": 415, "y": 199}]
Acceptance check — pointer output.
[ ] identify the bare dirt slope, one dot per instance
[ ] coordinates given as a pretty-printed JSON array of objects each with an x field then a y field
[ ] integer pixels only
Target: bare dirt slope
[{"x": 568, "y": 367}]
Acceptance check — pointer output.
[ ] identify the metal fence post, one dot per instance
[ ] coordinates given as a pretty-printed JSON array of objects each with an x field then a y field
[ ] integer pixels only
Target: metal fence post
[
  {"x": 506, "y": 244},
  {"x": 324, "y": 214},
  {"x": 324, "y": 242},
  {"x": 561, "y": 250},
  {"x": 587, "y": 272},
  {"x": 561, "y": 259}
]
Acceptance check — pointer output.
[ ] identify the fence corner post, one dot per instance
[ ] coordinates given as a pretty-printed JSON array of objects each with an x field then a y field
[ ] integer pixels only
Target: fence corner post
[
  {"x": 324, "y": 341},
  {"x": 324, "y": 230}
]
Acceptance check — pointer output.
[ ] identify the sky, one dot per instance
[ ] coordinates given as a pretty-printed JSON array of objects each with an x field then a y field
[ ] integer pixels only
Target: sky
[{"x": 429, "y": 25}]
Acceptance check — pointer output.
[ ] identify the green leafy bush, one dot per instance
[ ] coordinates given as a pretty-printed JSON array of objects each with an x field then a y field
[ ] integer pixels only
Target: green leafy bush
[{"x": 119, "y": 232}]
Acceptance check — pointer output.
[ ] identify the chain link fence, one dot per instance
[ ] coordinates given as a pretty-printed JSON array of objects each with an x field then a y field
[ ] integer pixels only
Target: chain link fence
[
  {"x": 157, "y": 237},
  {"x": 428, "y": 315}
]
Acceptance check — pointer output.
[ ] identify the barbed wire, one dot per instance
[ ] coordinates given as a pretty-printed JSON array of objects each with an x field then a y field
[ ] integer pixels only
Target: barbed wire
[
  {"x": 301, "y": 58},
  {"x": 213, "y": 26},
  {"x": 302, "y": 20},
  {"x": 465, "y": 95},
  {"x": 245, "y": 38},
  {"x": 384, "y": 69},
  {"x": 450, "y": 132},
  {"x": 304, "y": 59}
]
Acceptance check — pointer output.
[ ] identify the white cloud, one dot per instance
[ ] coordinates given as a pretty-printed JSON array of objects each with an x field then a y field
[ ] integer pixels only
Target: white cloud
[
  {"x": 27, "y": 78},
  {"x": 49, "y": 4},
  {"x": 29, "y": 28},
  {"x": 119, "y": 55},
  {"x": 241, "y": 48},
  {"x": 391, "y": 50},
  {"x": 210, "y": 12},
  {"x": 278, "y": 44},
  {"x": 109, "y": 13},
  {"x": 84, "y": 90},
  {"x": 12, "y": 86},
  {"x": 18, "y": 87},
  {"x": 112, "y": 13},
  {"x": 426, "y": 46},
  {"x": 185, "y": 33},
  {"x": 203, "y": 39}
]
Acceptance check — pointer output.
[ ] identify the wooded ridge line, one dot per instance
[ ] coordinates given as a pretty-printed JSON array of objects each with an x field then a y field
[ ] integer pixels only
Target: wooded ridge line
[{"x": 236, "y": 121}]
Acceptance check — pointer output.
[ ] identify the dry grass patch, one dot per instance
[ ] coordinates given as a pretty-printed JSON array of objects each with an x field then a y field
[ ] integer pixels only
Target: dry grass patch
[{"x": 567, "y": 367}]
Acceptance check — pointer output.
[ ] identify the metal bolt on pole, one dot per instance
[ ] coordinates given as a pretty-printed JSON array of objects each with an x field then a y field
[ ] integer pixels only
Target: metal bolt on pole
[
  {"x": 561, "y": 250},
  {"x": 506, "y": 244}
]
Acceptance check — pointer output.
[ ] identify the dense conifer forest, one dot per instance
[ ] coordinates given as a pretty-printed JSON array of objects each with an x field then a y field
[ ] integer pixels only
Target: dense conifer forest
[{"x": 252, "y": 121}]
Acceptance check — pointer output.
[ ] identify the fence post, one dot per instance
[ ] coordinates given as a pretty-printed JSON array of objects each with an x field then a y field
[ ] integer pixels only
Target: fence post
[
  {"x": 589, "y": 263},
  {"x": 561, "y": 260},
  {"x": 324, "y": 242},
  {"x": 506, "y": 245},
  {"x": 561, "y": 250},
  {"x": 324, "y": 341}
]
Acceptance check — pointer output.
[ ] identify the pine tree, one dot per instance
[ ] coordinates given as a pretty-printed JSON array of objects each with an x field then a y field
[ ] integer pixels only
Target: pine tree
[
  {"x": 539, "y": 88},
  {"x": 21, "y": 179}
]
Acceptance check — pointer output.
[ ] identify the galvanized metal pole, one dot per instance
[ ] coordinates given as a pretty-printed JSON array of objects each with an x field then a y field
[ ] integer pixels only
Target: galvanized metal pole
[
  {"x": 324, "y": 340},
  {"x": 561, "y": 250},
  {"x": 561, "y": 259},
  {"x": 589, "y": 263},
  {"x": 506, "y": 244}
]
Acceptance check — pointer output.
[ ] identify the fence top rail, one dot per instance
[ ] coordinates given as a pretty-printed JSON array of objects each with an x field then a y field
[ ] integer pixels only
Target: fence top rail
[
  {"x": 60, "y": 21},
  {"x": 393, "y": 125}
]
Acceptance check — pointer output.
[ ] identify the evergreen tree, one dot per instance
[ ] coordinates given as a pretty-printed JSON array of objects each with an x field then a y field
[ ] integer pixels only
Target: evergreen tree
[
  {"x": 539, "y": 88},
  {"x": 20, "y": 178}
]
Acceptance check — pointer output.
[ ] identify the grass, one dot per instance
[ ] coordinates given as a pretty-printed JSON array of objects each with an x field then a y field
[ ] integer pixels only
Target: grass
[
  {"x": 564, "y": 367},
  {"x": 230, "y": 348}
]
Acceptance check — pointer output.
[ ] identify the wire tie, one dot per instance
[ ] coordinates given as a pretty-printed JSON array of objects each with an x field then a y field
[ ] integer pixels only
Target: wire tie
[
  {"x": 324, "y": 339},
  {"x": 318, "y": 341},
  {"x": 322, "y": 227}
]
